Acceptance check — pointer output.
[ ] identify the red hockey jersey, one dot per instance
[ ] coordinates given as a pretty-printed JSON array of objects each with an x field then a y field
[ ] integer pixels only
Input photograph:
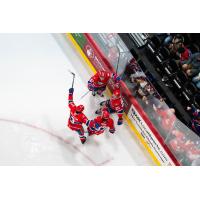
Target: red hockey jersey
[
  {"x": 168, "y": 118},
  {"x": 98, "y": 126},
  {"x": 98, "y": 82},
  {"x": 76, "y": 119},
  {"x": 117, "y": 105}
]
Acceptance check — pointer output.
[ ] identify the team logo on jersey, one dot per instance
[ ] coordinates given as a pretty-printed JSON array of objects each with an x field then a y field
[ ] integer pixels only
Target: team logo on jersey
[{"x": 73, "y": 119}]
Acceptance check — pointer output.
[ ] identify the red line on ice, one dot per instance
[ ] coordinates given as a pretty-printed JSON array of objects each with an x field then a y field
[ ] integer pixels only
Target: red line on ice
[{"x": 58, "y": 137}]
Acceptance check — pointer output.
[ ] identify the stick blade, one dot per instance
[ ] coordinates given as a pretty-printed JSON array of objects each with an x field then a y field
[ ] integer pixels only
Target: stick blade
[{"x": 71, "y": 72}]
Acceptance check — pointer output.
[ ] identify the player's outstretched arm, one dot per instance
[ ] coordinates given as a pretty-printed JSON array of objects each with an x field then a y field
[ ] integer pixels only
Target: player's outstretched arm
[
  {"x": 70, "y": 98},
  {"x": 85, "y": 120}
]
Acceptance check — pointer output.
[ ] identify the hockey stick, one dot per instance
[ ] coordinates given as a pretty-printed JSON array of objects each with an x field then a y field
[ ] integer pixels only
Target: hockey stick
[
  {"x": 84, "y": 95},
  {"x": 73, "y": 74},
  {"x": 119, "y": 57},
  {"x": 118, "y": 60}
]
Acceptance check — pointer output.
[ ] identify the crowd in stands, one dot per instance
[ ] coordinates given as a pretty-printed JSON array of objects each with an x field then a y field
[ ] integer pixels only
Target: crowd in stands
[
  {"x": 179, "y": 66},
  {"x": 181, "y": 69},
  {"x": 189, "y": 61}
]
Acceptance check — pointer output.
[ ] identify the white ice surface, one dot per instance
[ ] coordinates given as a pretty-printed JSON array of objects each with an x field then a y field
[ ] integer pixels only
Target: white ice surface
[{"x": 34, "y": 82}]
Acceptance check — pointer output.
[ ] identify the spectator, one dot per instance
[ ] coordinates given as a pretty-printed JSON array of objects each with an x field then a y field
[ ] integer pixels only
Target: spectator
[
  {"x": 176, "y": 43},
  {"x": 178, "y": 141},
  {"x": 168, "y": 39},
  {"x": 193, "y": 153},
  {"x": 132, "y": 67},
  {"x": 143, "y": 88},
  {"x": 196, "y": 80},
  {"x": 184, "y": 54},
  {"x": 195, "y": 122},
  {"x": 184, "y": 147},
  {"x": 192, "y": 66},
  {"x": 136, "y": 76},
  {"x": 167, "y": 117}
]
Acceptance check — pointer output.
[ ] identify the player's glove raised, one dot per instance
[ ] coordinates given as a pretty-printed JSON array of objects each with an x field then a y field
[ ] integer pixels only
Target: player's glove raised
[{"x": 71, "y": 90}]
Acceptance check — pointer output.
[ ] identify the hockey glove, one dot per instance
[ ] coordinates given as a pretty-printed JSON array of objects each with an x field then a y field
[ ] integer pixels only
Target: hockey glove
[
  {"x": 120, "y": 122},
  {"x": 112, "y": 131},
  {"x": 116, "y": 78},
  {"x": 71, "y": 90}
]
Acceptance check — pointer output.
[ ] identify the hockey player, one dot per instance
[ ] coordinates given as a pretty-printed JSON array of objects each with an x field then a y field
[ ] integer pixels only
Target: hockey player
[
  {"x": 100, "y": 123},
  {"x": 77, "y": 118},
  {"x": 97, "y": 83},
  {"x": 116, "y": 81},
  {"x": 113, "y": 105}
]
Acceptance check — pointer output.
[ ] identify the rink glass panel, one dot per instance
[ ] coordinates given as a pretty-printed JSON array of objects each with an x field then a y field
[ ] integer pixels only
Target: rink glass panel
[{"x": 186, "y": 149}]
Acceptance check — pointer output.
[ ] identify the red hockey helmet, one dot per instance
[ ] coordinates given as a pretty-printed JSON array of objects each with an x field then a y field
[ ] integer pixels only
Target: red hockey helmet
[
  {"x": 103, "y": 74},
  {"x": 116, "y": 94},
  {"x": 105, "y": 114},
  {"x": 80, "y": 108}
]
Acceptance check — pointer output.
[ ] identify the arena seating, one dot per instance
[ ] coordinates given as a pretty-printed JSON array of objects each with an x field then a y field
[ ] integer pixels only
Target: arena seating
[{"x": 169, "y": 67}]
